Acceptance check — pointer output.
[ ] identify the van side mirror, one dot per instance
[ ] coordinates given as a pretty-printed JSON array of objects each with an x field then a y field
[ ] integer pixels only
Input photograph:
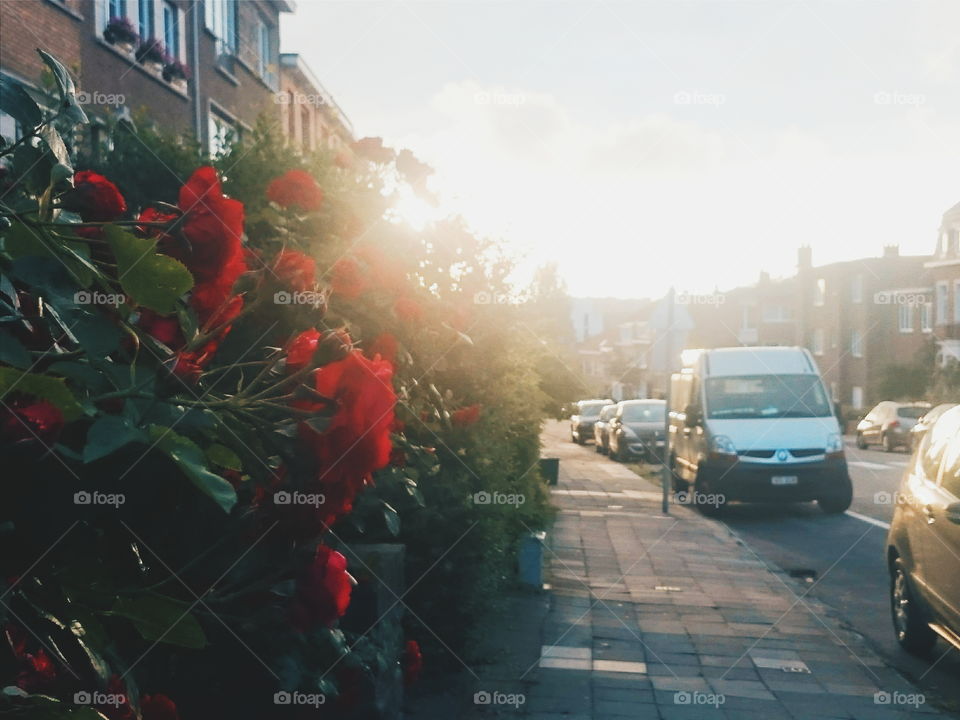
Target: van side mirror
[{"x": 692, "y": 416}]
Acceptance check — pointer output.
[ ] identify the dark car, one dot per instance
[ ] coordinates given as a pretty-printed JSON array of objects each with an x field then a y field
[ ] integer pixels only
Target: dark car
[
  {"x": 601, "y": 437},
  {"x": 637, "y": 430},
  {"x": 585, "y": 414},
  {"x": 923, "y": 544},
  {"x": 889, "y": 424},
  {"x": 926, "y": 422}
]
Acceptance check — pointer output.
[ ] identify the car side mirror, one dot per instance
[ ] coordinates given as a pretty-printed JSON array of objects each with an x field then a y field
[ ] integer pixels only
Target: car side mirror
[
  {"x": 692, "y": 416},
  {"x": 952, "y": 513}
]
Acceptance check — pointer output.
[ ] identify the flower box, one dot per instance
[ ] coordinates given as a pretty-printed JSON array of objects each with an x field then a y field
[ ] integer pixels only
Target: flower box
[{"x": 120, "y": 32}]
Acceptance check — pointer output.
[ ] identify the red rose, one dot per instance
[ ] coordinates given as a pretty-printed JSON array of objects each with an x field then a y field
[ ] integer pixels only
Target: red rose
[
  {"x": 348, "y": 281},
  {"x": 212, "y": 231},
  {"x": 296, "y": 188},
  {"x": 189, "y": 364},
  {"x": 164, "y": 329},
  {"x": 26, "y": 418},
  {"x": 385, "y": 345},
  {"x": 323, "y": 591},
  {"x": 466, "y": 416},
  {"x": 94, "y": 198},
  {"x": 412, "y": 662},
  {"x": 37, "y": 671},
  {"x": 158, "y": 707},
  {"x": 357, "y": 440},
  {"x": 300, "y": 350},
  {"x": 122, "y": 710},
  {"x": 408, "y": 310},
  {"x": 295, "y": 270}
]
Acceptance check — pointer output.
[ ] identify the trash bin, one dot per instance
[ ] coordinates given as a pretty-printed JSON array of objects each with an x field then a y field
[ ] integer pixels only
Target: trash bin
[
  {"x": 530, "y": 559},
  {"x": 550, "y": 470}
]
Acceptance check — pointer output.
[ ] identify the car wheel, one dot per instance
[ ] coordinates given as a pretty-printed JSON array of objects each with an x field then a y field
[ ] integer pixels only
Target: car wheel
[
  {"x": 912, "y": 631},
  {"x": 702, "y": 491},
  {"x": 838, "y": 501},
  {"x": 861, "y": 441},
  {"x": 886, "y": 443}
]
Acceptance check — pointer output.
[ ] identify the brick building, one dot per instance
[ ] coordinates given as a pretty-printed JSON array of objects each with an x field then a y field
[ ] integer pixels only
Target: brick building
[
  {"x": 944, "y": 273},
  {"x": 127, "y": 54},
  {"x": 310, "y": 117}
]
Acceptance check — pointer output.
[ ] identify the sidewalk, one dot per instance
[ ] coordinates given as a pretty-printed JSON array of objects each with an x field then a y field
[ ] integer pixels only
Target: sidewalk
[{"x": 652, "y": 616}]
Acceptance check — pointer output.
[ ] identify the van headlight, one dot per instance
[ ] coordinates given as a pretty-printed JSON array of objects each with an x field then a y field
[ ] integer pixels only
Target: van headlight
[
  {"x": 722, "y": 445},
  {"x": 834, "y": 445}
]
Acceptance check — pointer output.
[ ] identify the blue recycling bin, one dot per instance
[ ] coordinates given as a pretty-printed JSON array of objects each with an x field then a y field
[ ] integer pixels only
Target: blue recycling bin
[{"x": 530, "y": 559}]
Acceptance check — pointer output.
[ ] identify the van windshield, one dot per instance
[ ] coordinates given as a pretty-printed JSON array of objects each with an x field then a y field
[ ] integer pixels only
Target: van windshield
[{"x": 766, "y": 396}]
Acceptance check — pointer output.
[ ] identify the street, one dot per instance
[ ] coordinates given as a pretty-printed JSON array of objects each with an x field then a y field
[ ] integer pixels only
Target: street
[{"x": 841, "y": 559}]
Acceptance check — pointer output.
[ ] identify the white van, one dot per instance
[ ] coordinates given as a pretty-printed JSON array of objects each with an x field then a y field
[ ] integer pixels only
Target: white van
[{"x": 756, "y": 424}]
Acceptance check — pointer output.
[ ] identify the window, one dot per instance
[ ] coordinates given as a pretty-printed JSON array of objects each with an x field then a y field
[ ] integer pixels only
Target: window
[
  {"x": 856, "y": 289},
  {"x": 265, "y": 53},
  {"x": 956, "y": 302},
  {"x": 116, "y": 9},
  {"x": 941, "y": 300},
  {"x": 9, "y": 128},
  {"x": 856, "y": 343},
  {"x": 776, "y": 314},
  {"x": 171, "y": 30},
  {"x": 766, "y": 396},
  {"x": 145, "y": 16},
  {"x": 820, "y": 291},
  {"x": 817, "y": 341},
  {"x": 905, "y": 313},
  {"x": 926, "y": 312},
  {"x": 856, "y": 397},
  {"x": 221, "y": 20},
  {"x": 221, "y": 132}
]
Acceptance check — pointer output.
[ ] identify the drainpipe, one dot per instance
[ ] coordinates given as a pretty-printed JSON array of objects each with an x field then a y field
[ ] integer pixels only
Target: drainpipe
[{"x": 195, "y": 70}]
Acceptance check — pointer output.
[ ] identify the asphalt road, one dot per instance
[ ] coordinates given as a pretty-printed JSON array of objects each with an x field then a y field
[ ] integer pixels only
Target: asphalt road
[{"x": 844, "y": 558}]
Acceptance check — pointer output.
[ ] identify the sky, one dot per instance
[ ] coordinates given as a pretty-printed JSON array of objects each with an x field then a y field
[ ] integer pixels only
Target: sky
[{"x": 647, "y": 143}]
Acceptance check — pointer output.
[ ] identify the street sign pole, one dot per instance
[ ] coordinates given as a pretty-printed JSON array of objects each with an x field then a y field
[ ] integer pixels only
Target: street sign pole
[{"x": 666, "y": 481}]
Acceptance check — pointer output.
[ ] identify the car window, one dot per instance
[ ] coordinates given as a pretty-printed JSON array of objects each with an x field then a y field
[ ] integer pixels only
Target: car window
[
  {"x": 934, "y": 445},
  {"x": 950, "y": 480},
  {"x": 912, "y": 412}
]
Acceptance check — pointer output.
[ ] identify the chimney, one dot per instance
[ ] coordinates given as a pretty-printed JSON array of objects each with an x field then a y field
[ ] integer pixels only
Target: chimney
[
  {"x": 891, "y": 251},
  {"x": 804, "y": 257}
]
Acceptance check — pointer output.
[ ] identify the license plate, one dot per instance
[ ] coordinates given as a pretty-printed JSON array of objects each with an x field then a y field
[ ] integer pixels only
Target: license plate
[{"x": 784, "y": 480}]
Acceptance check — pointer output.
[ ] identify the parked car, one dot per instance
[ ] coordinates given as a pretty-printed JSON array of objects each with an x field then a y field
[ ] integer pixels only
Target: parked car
[
  {"x": 889, "y": 424},
  {"x": 601, "y": 438},
  {"x": 756, "y": 424},
  {"x": 636, "y": 430},
  {"x": 923, "y": 543},
  {"x": 925, "y": 422},
  {"x": 585, "y": 414}
]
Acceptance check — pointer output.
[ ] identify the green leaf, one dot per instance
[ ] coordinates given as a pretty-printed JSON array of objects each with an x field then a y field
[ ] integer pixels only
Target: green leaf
[
  {"x": 21, "y": 241},
  {"x": 110, "y": 433},
  {"x": 392, "y": 518},
  {"x": 191, "y": 459},
  {"x": 54, "y": 143},
  {"x": 43, "y": 386},
  {"x": 15, "y": 101},
  {"x": 68, "y": 90},
  {"x": 224, "y": 457},
  {"x": 161, "y": 619},
  {"x": 12, "y": 351},
  {"x": 41, "y": 707},
  {"x": 155, "y": 281},
  {"x": 97, "y": 334}
]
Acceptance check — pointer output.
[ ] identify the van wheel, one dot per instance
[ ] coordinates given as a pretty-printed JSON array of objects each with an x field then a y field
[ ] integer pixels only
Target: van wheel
[
  {"x": 912, "y": 631},
  {"x": 838, "y": 501},
  {"x": 886, "y": 443},
  {"x": 861, "y": 442},
  {"x": 701, "y": 491}
]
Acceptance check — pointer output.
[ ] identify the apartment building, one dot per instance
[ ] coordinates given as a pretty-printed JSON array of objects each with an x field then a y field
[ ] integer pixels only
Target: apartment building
[
  {"x": 310, "y": 117},
  {"x": 944, "y": 272},
  {"x": 207, "y": 68}
]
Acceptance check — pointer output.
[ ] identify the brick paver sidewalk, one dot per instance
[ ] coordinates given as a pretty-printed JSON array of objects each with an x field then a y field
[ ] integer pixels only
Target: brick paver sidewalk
[{"x": 652, "y": 616}]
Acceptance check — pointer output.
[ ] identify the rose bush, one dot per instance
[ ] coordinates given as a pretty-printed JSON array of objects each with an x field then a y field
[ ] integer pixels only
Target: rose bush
[{"x": 210, "y": 392}]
